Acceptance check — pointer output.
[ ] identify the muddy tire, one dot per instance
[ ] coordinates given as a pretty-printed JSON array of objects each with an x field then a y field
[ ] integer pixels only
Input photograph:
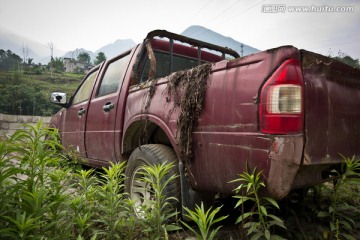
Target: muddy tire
[{"x": 146, "y": 155}]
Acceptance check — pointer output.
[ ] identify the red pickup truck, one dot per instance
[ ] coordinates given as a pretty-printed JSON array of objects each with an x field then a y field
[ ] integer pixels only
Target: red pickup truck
[{"x": 287, "y": 112}]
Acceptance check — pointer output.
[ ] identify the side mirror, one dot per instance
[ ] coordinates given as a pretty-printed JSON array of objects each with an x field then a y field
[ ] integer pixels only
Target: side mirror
[{"x": 58, "y": 98}]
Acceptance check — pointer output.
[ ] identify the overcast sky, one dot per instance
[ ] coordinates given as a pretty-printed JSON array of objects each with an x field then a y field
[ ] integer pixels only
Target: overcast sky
[{"x": 263, "y": 24}]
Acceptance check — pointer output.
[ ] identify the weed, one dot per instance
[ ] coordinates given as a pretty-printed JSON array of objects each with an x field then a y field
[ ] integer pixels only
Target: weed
[
  {"x": 42, "y": 197},
  {"x": 113, "y": 211},
  {"x": 32, "y": 193},
  {"x": 204, "y": 221},
  {"x": 258, "y": 221},
  {"x": 339, "y": 213},
  {"x": 83, "y": 204},
  {"x": 159, "y": 212}
]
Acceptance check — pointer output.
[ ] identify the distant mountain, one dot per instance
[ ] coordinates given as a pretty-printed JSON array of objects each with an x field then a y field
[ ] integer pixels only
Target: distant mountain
[
  {"x": 210, "y": 36},
  {"x": 40, "y": 53},
  {"x": 117, "y": 47},
  {"x": 110, "y": 50}
]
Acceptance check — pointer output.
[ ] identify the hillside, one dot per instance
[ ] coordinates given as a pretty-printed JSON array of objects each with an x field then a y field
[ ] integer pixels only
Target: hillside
[{"x": 28, "y": 93}]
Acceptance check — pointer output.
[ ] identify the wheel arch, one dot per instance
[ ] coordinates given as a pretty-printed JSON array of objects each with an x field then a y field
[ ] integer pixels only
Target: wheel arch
[{"x": 147, "y": 129}]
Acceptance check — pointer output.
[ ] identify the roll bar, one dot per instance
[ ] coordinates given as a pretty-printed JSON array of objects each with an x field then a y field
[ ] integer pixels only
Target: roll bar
[{"x": 183, "y": 39}]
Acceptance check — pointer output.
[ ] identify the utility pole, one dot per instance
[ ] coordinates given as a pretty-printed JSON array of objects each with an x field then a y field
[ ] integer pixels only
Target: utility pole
[
  {"x": 51, "y": 46},
  {"x": 242, "y": 50}
]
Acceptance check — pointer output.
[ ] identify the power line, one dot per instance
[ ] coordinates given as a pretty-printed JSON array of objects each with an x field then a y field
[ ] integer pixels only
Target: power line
[
  {"x": 221, "y": 13},
  {"x": 204, "y": 6},
  {"x": 212, "y": 19},
  {"x": 243, "y": 11}
]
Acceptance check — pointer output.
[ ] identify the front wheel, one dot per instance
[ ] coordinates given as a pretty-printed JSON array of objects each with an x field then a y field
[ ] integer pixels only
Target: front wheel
[{"x": 141, "y": 192}]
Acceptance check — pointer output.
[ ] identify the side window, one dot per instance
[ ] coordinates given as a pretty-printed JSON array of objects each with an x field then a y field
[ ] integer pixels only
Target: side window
[
  {"x": 114, "y": 74},
  {"x": 83, "y": 93}
]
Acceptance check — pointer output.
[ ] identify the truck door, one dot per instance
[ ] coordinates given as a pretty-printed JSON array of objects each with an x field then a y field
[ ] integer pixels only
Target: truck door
[
  {"x": 102, "y": 113},
  {"x": 75, "y": 115}
]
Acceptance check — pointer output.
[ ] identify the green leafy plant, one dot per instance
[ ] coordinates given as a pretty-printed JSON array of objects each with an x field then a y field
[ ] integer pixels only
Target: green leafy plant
[
  {"x": 204, "y": 221},
  {"x": 258, "y": 221},
  {"x": 84, "y": 203},
  {"x": 339, "y": 213},
  {"x": 159, "y": 212},
  {"x": 42, "y": 197},
  {"x": 33, "y": 192},
  {"x": 113, "y": 213}
]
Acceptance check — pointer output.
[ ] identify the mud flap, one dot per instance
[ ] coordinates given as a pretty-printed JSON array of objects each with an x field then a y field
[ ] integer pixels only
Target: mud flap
[{"x": 190, "y": 197}]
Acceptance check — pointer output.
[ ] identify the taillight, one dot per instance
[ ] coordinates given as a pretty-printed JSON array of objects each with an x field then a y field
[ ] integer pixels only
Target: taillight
[{"x": 281, "y": 100}]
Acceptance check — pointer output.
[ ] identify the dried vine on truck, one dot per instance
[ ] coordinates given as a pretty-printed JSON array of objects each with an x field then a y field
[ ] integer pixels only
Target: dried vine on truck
[{"x": 187, "y": 89}]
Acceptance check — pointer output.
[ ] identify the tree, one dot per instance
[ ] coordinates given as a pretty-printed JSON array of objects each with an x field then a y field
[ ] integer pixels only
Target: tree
[
  {"x": 100, "y": 58},
  {"x": 345, "y": 58},
  {"x": 51, "y": 46},
  {"x": 9, "y": 60},
  {"x": 349, "y": 60},
  {"x": 84, "y": 57},
  {"x": 57, "y": 64},
  {"x": 25, "y": 52}
]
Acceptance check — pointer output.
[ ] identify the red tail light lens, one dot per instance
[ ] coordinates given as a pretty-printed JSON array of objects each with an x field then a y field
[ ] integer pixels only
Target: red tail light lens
[{"x": 281, "y": 100}]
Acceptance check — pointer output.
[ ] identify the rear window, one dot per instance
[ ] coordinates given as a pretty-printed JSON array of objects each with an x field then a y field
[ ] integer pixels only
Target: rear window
[{"x": 163, "y": 64}]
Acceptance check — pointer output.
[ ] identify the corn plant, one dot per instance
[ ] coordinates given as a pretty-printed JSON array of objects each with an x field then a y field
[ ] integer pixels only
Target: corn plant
[
  {"x": 204, "y": 221},
  {"x": 339, "y": 213},
  {"x": 159, "y": 210},
  {"x": 258, "y": 221}
]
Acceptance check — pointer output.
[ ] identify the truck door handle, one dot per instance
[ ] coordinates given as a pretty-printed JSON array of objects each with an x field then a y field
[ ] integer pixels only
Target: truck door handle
[
  {"x": 108, "y": 106},
  {"x": 81, "y": 112}
]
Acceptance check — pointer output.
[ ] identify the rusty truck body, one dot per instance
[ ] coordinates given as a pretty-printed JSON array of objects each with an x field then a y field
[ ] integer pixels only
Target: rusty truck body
[{"x": 288, "y": 112}]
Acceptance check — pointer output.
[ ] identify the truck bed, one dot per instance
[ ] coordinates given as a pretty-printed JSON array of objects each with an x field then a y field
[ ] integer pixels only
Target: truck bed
[{"x": 332, "y": 103}]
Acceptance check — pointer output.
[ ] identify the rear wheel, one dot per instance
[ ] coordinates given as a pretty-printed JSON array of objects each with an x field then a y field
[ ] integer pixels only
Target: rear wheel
[{"x": 141, "y": 192}]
